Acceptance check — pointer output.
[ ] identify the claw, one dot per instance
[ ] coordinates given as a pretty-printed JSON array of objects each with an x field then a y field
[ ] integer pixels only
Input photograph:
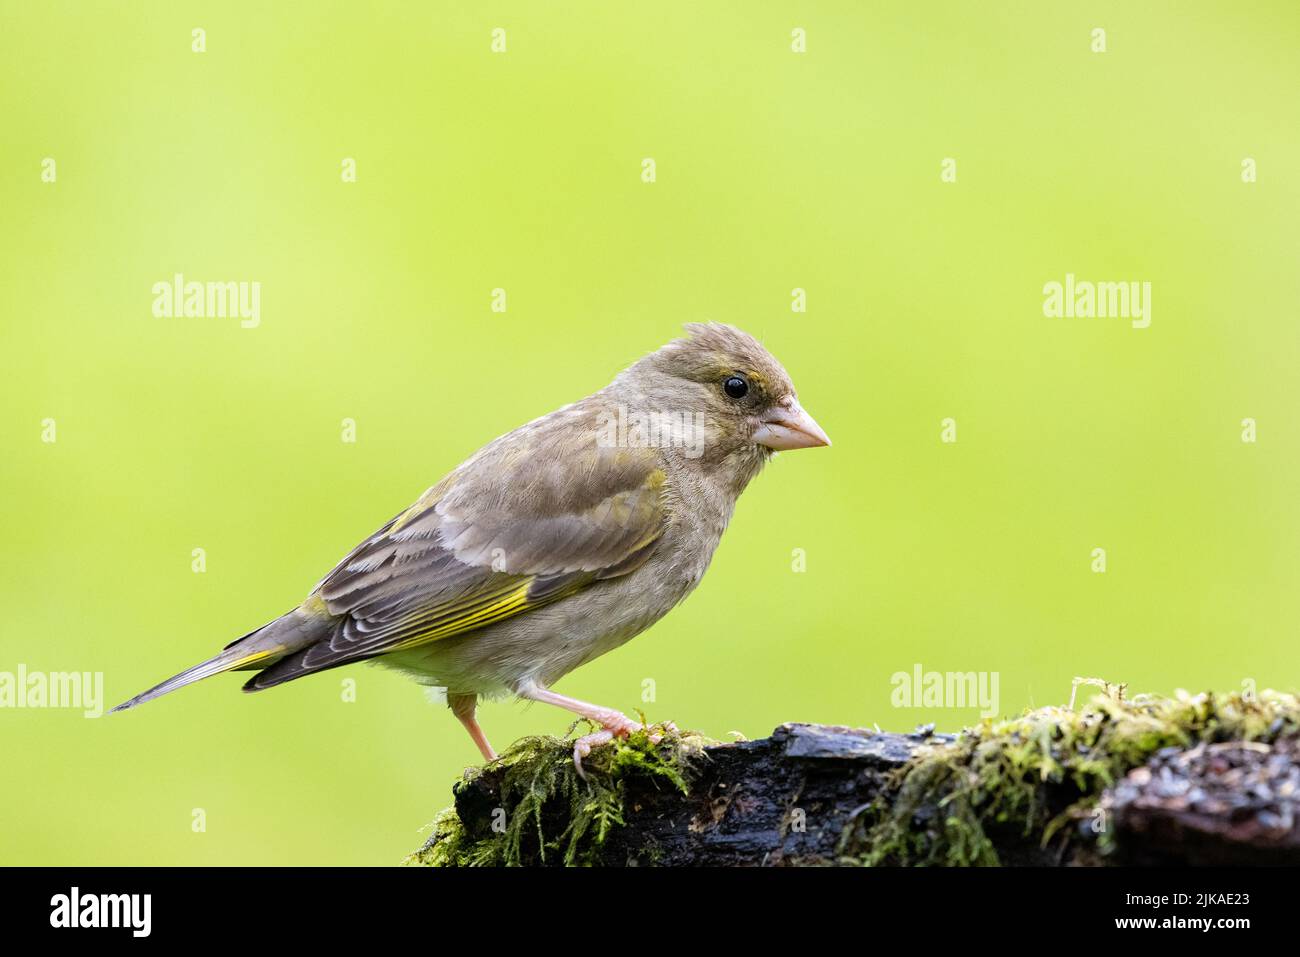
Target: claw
[
  {"x": 582, "y": 747},
  {"x": 615, "y": 726}
]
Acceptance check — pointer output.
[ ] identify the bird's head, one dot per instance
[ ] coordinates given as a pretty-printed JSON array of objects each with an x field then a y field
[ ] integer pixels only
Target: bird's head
[{"x": 725, "y": 380}]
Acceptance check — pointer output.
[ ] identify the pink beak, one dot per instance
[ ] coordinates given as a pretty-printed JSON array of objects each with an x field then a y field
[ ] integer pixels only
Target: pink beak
[{"x": 787, "y": 426}]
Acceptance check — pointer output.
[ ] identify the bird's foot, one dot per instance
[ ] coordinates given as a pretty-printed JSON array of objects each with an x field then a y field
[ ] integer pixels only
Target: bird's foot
[{"x": 615, "y": 725}]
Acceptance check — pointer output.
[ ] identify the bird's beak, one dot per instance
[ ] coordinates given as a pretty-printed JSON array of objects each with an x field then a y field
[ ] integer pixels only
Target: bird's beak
[{"x": 787, "y": 426}]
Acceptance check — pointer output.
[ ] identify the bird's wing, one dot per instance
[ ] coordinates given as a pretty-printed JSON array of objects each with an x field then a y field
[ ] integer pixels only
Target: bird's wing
[{"x": 535, "y": 516}]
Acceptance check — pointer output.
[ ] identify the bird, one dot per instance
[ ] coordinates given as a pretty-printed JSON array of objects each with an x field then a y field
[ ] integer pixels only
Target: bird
[{"x": 552, "y": 545}]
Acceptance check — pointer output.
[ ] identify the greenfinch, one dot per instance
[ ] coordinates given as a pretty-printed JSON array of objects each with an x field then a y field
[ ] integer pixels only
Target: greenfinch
[{"x": 552, "y": 544}]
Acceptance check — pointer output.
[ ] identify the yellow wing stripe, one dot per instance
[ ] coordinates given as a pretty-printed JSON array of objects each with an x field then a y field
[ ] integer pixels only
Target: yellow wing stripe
[
  {"x": 242, "y": 664},
  {"x": 255, "y": 656},
  {"x": 454, "y": 611},
  {"x": 514, "y": 602}
]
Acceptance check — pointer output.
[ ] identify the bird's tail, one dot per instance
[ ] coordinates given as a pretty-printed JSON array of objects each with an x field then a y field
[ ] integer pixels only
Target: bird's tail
[{"x": 255, "y": 650}]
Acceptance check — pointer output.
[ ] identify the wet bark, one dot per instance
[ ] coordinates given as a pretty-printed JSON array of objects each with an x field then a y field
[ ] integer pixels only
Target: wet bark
[{"x": 789, "y": 800}]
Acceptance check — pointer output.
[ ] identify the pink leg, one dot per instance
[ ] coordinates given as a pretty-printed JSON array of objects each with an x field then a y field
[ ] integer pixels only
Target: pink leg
[
  {"x": 614, "y": 723},
  {"x": 463, "y": 706}
]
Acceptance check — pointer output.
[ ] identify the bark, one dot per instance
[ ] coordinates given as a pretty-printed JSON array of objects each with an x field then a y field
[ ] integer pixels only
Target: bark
[
  {"x": 799, "y": 796},
  {"x": 1229, "y": 803}
]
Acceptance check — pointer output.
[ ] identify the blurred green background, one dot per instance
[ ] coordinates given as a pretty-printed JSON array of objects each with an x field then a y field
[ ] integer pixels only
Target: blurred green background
[{"x": 522, "y": 170}]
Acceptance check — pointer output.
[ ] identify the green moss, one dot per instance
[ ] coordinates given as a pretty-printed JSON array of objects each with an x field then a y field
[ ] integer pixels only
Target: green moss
[
  {"x": 546, "y": 813},
  {"x": 1042, "y": 771},
  {"x": 1032, "y": 782}
]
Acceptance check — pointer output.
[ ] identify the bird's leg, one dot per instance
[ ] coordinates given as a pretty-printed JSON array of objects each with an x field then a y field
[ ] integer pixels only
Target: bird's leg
[
  {"x": 613, "y": 723},
  {"x": 462, "y": 706}
]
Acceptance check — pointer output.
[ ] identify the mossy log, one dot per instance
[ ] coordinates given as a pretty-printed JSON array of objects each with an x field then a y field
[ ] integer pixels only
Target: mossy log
[{"x": 1203, "y": 779}]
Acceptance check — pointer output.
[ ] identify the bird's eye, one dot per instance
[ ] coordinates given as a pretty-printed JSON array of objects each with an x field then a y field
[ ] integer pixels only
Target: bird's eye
[{"x": 736, "y": 387}]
